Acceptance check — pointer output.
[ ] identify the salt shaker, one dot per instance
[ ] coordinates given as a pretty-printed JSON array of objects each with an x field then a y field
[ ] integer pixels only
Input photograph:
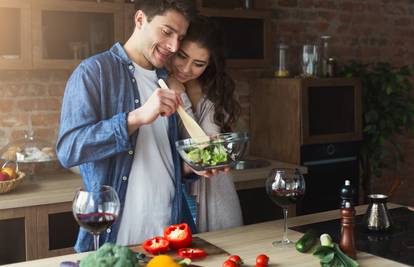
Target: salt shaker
[{"x": 347, "y": 242}]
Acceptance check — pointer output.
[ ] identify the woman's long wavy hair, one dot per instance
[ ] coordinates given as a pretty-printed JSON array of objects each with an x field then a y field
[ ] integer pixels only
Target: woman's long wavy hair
[{"x": 216, "y": 84}]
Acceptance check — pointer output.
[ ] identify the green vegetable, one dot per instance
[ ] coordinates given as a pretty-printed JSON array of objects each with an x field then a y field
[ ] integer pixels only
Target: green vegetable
[
  {"x": 332, "y": 256},
  {"x": 307, "y": 241},
  {"x": 110, "y": 255},
  {"x": 326, "y": 240},
  {"x": 211, "y": 155}
]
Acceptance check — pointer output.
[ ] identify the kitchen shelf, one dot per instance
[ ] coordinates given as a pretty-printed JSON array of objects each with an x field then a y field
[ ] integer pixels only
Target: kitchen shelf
[
  {"x": 65, "y": 32},
  {"x": 15, "y": 31}
]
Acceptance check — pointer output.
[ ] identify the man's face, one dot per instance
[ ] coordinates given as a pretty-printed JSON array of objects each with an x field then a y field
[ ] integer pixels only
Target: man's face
[{"x": 161, "y": 37}]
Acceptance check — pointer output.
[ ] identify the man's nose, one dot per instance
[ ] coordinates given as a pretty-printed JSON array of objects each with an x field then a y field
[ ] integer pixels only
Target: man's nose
[{"x": 173, "y": 45}]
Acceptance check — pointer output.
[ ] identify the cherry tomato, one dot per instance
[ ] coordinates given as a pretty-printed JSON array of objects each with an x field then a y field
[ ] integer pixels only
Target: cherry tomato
[
  {"x": 262, "y": 260},
  {"x": 230, "y": 263},
  {"x": 236, "y": 259}
]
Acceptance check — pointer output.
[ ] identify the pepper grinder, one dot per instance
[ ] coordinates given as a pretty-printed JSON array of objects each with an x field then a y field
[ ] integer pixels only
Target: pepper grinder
[
  {"x": 347, "y": 242},
  {"x": 347, "y": 194}
]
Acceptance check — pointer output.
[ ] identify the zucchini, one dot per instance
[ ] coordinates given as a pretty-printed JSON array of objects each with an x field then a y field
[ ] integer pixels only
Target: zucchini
[{"x": 307, "y": 241}]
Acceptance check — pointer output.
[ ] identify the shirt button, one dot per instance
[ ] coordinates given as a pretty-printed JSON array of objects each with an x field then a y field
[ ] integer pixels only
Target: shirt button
[
  {"x": 133, "y": 80},
  {"x": 108, "y": 230},
  {"x": 131, "y": 67},
  {"x": 130, "y": 152},
  {"x": 124, "y": 178},
  {"x": 136, "y": 101}
]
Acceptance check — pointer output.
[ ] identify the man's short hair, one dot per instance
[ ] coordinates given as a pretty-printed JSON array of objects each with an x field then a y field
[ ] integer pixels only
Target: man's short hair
[{"x": 152, "y": 8}]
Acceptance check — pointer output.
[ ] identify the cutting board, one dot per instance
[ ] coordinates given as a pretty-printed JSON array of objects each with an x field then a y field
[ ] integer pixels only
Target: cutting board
[{"x": 197, "y": 242}]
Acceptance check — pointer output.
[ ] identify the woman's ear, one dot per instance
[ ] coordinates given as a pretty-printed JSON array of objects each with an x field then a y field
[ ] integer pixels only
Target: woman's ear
[{"x": 139, "y": 19}]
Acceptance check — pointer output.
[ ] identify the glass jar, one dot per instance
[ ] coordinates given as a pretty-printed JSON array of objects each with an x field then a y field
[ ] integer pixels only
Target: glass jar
[
  {"x": 325, "y": 55},
  {"x": 281, "y": 69},
  {"x": 310, "y": 58}
]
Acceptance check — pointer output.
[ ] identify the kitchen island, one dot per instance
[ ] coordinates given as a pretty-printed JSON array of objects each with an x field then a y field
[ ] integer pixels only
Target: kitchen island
[
  {"x": 250, "y": 241},
  {"x": 34, "y": 215}
]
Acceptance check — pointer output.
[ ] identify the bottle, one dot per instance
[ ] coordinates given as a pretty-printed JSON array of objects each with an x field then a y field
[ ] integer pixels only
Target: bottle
[
  {"x": 347, "y": 194},
  {"x": 347, "y": 242}
]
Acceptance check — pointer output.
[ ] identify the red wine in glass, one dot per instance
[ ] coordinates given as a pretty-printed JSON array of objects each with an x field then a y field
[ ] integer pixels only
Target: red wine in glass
[
  {"x": 284, "y": 187},
  {"x": 96, "y": 210},
  {"x": 284, "y": 198},
  {"x": 96, "y": 222}
]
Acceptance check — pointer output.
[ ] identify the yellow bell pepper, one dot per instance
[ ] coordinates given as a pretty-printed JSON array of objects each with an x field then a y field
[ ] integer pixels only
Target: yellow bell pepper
[{"x": 166, "y": 261}]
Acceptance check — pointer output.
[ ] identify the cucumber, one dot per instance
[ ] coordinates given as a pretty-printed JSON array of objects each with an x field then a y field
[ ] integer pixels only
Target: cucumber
[{"x": 307, "y": 241}]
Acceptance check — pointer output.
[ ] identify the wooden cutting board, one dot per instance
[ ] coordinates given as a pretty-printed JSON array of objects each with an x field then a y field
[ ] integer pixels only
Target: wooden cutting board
[{"x": 197, "y": 242}]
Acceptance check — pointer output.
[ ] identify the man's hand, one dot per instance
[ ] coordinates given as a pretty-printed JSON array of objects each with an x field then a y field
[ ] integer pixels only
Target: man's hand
[{"x": 161, "y": 102}]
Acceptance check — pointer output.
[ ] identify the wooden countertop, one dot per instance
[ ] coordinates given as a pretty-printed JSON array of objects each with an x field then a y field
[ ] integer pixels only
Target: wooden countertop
[
  {"x": 45, "y": 189},
  {"x": 250, "y": 241},
  {"x": 61, "y": 186},
  {"x": 254, "y": 178}
]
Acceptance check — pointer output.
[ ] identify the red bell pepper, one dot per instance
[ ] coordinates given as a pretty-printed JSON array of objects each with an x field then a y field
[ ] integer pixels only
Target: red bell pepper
[
  {"x": 179, "y": 235},
  {"x": 156, "y": 245},
  {"x": 192, "y": 253}
]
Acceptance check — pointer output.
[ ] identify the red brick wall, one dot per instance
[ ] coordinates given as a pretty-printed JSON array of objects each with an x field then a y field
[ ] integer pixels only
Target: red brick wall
[{"x": 34, "y": 95}]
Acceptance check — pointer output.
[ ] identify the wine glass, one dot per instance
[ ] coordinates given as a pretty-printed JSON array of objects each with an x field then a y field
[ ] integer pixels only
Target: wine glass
[
  {"x": 96, "y": 210},
  {"x": 284, "y": 187}
]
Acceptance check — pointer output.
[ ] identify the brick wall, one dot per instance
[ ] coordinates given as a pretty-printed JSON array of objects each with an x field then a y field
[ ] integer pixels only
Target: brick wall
[
  {"x": 34, "y": 95},
  {"x": 368, "y": 30}
]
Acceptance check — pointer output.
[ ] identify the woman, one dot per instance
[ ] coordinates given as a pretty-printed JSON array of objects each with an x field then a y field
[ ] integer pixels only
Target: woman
[{"x": 198, "y": 71}]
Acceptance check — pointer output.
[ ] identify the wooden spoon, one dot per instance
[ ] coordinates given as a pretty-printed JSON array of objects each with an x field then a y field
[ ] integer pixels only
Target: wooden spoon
[{"x": 192, "y": 127}]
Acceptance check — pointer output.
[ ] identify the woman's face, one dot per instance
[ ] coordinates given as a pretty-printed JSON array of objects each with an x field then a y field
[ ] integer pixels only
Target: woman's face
[{"x": 189, "y": 62}]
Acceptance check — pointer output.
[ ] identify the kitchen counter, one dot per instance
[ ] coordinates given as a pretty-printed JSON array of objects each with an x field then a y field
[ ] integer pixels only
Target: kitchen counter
[
  {"x": 61, "y": 187},
  {"x": 249, "y": 241}
]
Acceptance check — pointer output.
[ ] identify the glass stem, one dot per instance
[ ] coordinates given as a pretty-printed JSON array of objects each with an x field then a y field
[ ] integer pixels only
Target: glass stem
[
  {"x": 285, "y": 215},
  {"x": 95, "y": 241}
]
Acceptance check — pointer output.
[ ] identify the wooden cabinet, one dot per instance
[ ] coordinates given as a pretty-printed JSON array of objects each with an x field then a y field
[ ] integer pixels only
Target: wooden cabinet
[
  {"x": 37, "y": 232},
  {"x": 15, "y": 45},
  {"x": 65, "y": 32},
  {"x": 246, "y": 31},
  {"x": 287, "y": 114}
]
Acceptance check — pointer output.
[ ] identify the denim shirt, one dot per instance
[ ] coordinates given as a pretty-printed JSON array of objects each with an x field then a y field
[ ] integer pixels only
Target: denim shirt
[{"x": 94, "y": 133}]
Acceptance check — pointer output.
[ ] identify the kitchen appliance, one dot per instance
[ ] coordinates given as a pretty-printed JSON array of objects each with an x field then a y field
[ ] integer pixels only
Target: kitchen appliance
[
  {"x": 377, "y": 217},
  {"x": 312, "y": 122},
  {"x": 396, "y": 244}
]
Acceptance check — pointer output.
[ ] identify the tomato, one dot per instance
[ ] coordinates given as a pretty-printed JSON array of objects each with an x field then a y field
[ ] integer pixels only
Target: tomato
[
  {"x": 236, "y": 259},
  {"x": 230, "y": 263},
  {"x": 179, "y": 235},
  {"x": 156, "y": 245},
  {"x": 262, "y": 260},
  {"x": 192, "y": 253}
]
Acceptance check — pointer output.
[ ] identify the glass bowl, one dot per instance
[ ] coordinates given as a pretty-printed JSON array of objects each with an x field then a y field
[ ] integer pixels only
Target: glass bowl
[{"x": 221, "y": 150}]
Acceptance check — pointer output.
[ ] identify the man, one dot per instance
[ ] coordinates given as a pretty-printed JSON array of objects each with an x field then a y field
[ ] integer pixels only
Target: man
[{"x": 111, "y": 125}]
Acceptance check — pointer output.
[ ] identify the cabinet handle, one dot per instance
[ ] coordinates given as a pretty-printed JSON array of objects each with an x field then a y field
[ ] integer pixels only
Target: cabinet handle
[{"x": 329, "y": 161}]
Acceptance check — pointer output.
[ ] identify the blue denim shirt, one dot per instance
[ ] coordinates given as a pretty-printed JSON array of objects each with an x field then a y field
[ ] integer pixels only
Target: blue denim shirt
[{"x": 94, "y": 134}]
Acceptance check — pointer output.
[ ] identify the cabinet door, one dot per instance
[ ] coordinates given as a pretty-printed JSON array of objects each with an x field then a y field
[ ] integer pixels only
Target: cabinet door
[
  {"x": 15, "y": 45},
  {"x": 66, "y": 32},
  {"x": 17, "y": 235},
  {"x": 57, "y": 230}
]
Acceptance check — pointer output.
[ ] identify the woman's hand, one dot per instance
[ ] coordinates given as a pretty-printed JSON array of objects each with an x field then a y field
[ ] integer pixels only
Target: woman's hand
[
  {"x": 175, "y": 85},
  {"x": 208, "y": 173}
]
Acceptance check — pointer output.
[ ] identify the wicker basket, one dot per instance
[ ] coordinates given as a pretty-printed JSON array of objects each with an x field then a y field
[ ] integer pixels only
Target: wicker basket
[{"x": 6, "y": 186}]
